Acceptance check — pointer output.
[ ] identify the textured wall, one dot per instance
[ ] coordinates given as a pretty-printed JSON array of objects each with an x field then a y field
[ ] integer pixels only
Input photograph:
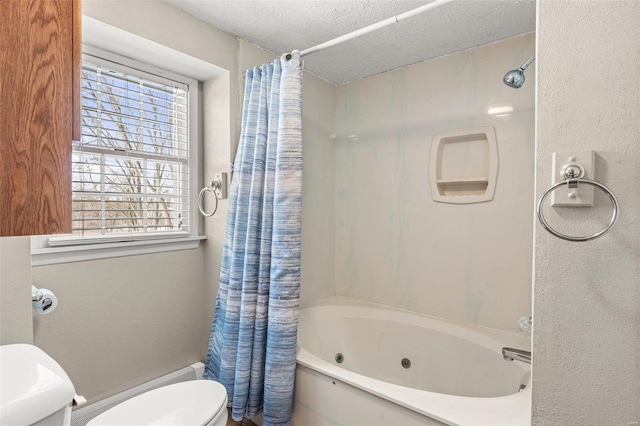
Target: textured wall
[
  {"x": 394, "y": 244},
  {"x": 122, "y": 321},
  {"x": 15, "y": 291},
  {"x": 587, "y": 295}
]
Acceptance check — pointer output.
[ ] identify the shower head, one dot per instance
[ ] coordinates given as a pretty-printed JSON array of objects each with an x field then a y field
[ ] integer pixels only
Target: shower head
[{"x": 515, "y": 78}]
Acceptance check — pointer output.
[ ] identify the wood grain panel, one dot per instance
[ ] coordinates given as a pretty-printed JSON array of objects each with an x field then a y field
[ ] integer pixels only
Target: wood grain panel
[
  {"x": 77, "y": 69},
  {"x": 36, "y": 110}
]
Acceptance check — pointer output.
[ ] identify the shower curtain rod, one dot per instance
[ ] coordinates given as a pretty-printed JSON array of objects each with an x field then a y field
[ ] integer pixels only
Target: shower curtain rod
[{"x": 373, "y": 27}]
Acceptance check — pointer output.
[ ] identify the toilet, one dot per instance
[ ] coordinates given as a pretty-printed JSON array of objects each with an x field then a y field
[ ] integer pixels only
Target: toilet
[
  {"x": 193, "y": 403},
  {"x": 36, "y": 391}
]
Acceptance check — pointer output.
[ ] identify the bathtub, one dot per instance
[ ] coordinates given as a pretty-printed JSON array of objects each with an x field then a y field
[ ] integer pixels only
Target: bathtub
[{"x": 399, "y": 368}]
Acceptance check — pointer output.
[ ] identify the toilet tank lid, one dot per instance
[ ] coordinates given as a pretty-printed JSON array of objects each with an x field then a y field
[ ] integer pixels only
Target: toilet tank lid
[
  {"x": 194, "y": 402},
  {"x": 32, "y": 385}
]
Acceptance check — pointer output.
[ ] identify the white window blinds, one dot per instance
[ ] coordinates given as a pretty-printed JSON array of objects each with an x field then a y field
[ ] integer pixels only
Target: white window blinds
[{"x": 131, "y": 168}]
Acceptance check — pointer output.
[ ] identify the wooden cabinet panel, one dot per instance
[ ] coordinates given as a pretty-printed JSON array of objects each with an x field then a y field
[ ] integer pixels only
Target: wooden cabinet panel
[
  {"x": 36, "y": 105},
  {"x": 77, "y": 70}
]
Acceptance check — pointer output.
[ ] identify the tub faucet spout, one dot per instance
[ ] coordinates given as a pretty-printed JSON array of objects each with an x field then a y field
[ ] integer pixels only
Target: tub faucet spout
[{"x": 511, "y": 354}]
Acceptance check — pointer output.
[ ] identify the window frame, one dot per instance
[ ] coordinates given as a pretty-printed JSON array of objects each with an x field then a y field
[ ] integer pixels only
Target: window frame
[{"x": 51, "y": 249}]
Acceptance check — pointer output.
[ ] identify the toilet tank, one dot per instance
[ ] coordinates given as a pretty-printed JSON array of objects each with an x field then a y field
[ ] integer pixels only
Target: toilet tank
[{"x": 34, "y": 389}]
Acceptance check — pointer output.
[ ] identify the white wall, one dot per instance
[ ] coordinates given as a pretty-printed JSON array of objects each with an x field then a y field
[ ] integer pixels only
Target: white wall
[
  {"x": 586, "y": 338},
  {"x": 15, "y": 291},
  {"x": 394, "y": 244},
  {"x": 123, "y": 321}
]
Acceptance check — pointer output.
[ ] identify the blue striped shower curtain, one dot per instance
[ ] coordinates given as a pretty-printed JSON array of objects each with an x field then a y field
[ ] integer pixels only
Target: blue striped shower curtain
[{"x": 252, "y": 348}]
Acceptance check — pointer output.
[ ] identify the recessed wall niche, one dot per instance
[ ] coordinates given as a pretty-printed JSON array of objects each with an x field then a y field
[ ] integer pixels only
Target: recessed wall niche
[{"x": 464, "y": 165}]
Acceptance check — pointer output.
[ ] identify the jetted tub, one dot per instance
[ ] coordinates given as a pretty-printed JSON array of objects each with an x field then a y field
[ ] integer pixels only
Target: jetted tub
[{"x": 363, "y": 364}]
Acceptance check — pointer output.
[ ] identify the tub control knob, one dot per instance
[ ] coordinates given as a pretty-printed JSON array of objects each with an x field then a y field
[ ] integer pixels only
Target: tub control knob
[{"x": 524, "y": 324}]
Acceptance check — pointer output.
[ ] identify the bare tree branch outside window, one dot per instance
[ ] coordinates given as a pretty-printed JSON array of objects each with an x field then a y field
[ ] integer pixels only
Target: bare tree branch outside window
[{"x": 129, "y": 170}]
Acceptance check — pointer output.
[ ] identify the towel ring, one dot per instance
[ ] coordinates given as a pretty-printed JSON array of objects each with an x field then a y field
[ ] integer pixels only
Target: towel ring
[
  {"x": 612, "y": 197},
  {"x": 215, "y": 184}
]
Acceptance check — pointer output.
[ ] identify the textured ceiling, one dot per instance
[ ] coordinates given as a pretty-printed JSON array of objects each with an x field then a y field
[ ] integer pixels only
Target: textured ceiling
[{"x": 282, "y": 26}]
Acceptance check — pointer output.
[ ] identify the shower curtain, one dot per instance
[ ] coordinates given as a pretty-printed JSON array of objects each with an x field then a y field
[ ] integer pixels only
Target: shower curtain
[{"x": 252, "y": 347}]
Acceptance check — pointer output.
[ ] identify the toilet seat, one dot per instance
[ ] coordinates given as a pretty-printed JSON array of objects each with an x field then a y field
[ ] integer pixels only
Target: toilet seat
[{"x": 193, "y": 403}]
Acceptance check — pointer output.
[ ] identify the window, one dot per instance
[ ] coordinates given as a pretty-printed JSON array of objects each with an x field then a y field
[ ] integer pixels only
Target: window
[
  {"x": 131, "y": 168},
  {"x": 134, "y": 171}
]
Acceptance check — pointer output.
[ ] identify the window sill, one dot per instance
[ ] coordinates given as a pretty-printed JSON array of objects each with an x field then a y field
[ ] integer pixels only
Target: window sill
[{"x": 80, "y": 253}]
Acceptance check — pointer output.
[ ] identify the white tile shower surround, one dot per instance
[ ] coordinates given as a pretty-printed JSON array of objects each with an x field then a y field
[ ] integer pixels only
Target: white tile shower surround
[{"x": 394, "y": 245}]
